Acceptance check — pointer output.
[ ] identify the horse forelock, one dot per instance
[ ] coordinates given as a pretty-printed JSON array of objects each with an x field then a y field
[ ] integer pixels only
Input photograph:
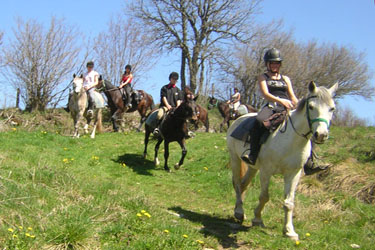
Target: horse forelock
[{"x": 322, "y": 94}]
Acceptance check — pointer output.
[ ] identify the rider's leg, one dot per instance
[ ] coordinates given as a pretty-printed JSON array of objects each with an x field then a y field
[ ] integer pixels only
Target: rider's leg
[
  {"x": 312, "y": 166},
  {"x": 256, "y": 134},
  {"x": 127, "y": 89},
  {"x": 90, "y": 99},
  {"x": 159, "y": 118}
]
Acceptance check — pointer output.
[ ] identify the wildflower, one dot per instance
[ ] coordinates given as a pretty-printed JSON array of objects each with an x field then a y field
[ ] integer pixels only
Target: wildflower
[
  {"x": 20, "y": 227},
  {"x": 205, "y": 168},
  {"x": 166, "y": 231},
  {"x": 72, "y": 159},
  {"x": 124, "y": 165},
  {"x": 185, "y": 236},
  {"x": 139, "y": 214},
  {"x": 297, "y": 242},
  {"x": 148, "y": 215},
  {"x": 15, "y": 236},
  {"x": 27, "y": 234},
  {"x": 326, "y": 221},
  {"x": 143, "y": 211},
  {"x": 32, "y": 236},
  {"x": 65, "y": 149},
  {"x": 10, "y": 230},
  {"x": 66, "y": 160},
  {"x": 200, "y": 242},
  {"x": 14, "y": 129},
  {"x": 308, "y": 234},
  {"x": 30, "y": 228}
]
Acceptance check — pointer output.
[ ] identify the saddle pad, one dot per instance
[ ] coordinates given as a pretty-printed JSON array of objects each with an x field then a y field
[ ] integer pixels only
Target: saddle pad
[
  {"x": 152, "y": 119},
  {"x": 98, "y": 100},
  {"x": 243, "y": 130}
]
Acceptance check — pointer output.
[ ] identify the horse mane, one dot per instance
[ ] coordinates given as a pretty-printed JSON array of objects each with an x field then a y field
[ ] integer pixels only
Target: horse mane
[
  {"x": 321, "y": 93},
  {"x": 109, "y": 85}
]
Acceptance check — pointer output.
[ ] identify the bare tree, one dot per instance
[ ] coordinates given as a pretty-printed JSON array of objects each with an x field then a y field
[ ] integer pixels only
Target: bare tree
[
  {"x": 124, "y": 42},
  {"x": 196, "y": 27},
  {"x": 39, "y": 59},
  {"x": 303, "y": 62}
]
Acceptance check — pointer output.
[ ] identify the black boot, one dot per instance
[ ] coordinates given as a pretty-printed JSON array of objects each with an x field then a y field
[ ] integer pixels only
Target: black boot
[
  {"x": 311, "y": 166},
  {"x": 255, "y": 135}
]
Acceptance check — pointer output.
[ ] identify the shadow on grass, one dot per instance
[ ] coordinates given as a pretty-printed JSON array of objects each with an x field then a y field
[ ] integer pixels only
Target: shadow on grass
[
  {"x": 137, "y": 163},
  {"x": 223, "y": 229}
]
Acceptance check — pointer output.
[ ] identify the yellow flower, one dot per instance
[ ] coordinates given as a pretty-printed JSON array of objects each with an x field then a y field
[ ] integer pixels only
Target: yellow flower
[
  {"x": 29, "y": 228},
  {"x": 20, "y": 227},
  {"x": 14, "y": 129},
  {"x": 139, "y": 214},
  {"x": 124, "y": 165},
  {"x": 326, "y": 221},
  {"x": 205, "y": 168},
  {"x": 10, "y": 230},
  {"x": 15, "y": 236},
  {"x": 308, "y": 234},
  {"x": 185, "y": 236},
  {"x": 148, "y": 215},
  {"x": 166, "y": 231},
  {"x": 200, "y": 242},
  {"x": 32, "y": 236},
  {"x": 143, "y": 211},
  {"x": 66, "y": 160},
  {"x": 72, "y": 159},
  {"x": 65, "y": 149},
  {"x": 297, "y": 242}
]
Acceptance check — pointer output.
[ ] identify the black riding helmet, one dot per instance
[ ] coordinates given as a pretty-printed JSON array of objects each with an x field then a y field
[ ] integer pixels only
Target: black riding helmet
[
  {"x": 90, "y": 64},
  {"x": 272, "y": 55},
  {"x": 173, "y": 75}
]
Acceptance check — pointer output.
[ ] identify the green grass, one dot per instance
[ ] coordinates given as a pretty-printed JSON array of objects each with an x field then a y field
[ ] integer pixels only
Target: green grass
[{"x": 83, "y": 193}]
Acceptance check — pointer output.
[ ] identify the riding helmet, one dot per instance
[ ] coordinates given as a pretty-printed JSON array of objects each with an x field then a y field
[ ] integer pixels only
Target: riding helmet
[
  {"x": 128, "y": 67},
  {"x": 173, "y": 75},
  {"x": 90, "y": 64},
  {"x": 272, "y": 55}
]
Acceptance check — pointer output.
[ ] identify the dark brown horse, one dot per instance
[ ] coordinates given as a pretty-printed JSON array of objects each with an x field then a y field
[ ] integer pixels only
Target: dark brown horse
[
  {"x": 117, "y": 106},
  {"x": 173, "y": 128},
  {"x": 202, "y": 116},
  {"x": 225, "y": 110}
]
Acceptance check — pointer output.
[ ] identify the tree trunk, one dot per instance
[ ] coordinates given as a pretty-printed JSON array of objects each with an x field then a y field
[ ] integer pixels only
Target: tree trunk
[{"x": 182, "y": 71}]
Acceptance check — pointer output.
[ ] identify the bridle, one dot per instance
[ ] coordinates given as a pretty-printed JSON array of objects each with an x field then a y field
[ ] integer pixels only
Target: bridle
[
  {"x": 214, "y": 105},
  {"x": 102, "y": 88},
  {"x": 309, "y": 120}
]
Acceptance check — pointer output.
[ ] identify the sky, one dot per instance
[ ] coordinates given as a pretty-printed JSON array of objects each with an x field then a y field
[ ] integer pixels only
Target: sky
[{"x": 344, "y": 22}]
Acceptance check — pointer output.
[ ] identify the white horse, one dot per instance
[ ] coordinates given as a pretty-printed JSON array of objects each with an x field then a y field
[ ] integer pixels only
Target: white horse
[
  {"x": 285, "y": 152},
  {"x": 78, "y": 108}
]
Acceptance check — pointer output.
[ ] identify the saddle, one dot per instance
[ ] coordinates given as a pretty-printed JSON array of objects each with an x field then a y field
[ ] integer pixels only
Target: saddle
[{"x": 135, "y": 96}]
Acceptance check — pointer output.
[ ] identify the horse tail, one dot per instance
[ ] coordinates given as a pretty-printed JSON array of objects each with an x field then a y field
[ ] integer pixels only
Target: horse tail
[
  {"x": 99, "y": 124},
  {"x": 152, "y": 106}
]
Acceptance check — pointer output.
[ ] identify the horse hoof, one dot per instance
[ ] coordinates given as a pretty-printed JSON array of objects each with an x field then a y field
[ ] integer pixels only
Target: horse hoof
[
  {"x": 167, "y": 169},
  {"x": 144, "y": 156},
  {"x": 292, "y": 236},
  {"x": 177, "y": 166},
  {"x": 258, "y": 223},
  {"x": 239, "y": 217},
  {"x": 156, "y": 161}
]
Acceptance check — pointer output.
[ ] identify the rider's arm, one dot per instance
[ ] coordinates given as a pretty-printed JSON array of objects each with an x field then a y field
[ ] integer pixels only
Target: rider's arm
[
  {"x": 165, "y": 102},
  {"x": 238, "y": 98},
  {"x": 271, "y": 98},
  {"x": 96, "y": 82},
  {"x": 291, "y": 94}
]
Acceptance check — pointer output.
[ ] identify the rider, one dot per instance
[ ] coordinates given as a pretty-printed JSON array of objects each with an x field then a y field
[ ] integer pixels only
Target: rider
[
  {"x": 90, "y": 81},
  {"x": 170, "y": 97},
  {"x": 126, "y": 80},
  {"x": 234, "y": 102},
  {"x": 278, "y": 90}
]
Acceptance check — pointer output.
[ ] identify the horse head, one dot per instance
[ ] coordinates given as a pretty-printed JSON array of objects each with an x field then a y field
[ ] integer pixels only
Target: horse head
[
  {"x": 77, "y": 83},
  {"x": 320, "y": 106},
  {"x": 187, "y": 108},
  {"x": 212, "y": 102}
]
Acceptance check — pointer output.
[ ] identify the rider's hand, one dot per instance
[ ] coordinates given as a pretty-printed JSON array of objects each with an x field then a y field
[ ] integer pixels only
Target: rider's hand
[
  {"x": 86, "y": 88},
  {"x": 169, "y": 107},
  {"x": 286, "y": 103}
]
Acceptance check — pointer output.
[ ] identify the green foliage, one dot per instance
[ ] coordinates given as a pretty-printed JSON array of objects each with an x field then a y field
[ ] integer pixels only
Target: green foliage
[{"x": 84, "y": 193}]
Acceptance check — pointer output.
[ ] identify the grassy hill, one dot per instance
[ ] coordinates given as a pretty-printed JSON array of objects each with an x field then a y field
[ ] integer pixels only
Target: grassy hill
[{"x": 62, "y": 193}]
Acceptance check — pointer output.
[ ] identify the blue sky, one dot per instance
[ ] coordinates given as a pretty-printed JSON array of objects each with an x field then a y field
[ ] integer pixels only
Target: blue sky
[{"x": 344, "y": 22}]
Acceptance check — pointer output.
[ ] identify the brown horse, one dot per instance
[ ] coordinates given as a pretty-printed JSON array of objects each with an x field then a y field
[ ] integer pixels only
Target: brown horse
[
  {"x": 117, "y": 106},
  {"x": 202, "y": 116},
  {"x": 173, "y": 128},
  {"x": 225, "y": 110}
]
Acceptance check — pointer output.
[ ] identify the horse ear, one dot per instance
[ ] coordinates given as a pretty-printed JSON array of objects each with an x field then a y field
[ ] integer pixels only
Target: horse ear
[
  {"x": 332, "y": 90},
  {"x": 312, "y": 87},
  {"x": 81, "y": 76},
  {"x": 100, "y": 77},
  {"x": 74, "y": 75}
]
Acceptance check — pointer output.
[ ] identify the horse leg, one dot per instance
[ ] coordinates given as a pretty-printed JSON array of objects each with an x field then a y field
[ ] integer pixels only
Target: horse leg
[
  {"x": 143, "y": 119},
  {"x": 147, "y": 135},
  {"x": 117, "y": 115},
  {"x": 166, "y": 156},
  {"x": 95, "y": 122},
  {"x": 156, "y": 160},
  {"x": 207, "y": 125},
  {"x": 290, "y": 185},
  {"x": 114, "y": 125},
  {"x": 263, "y": 198},
  {"x": 184, "y": 152},
  {"x": 221, "y": 126}
]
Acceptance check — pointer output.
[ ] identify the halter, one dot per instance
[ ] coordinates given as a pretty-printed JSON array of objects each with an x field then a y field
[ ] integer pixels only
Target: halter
[
  {"x": 309, "y": 120},
  {"x": 214, "y": 105}
]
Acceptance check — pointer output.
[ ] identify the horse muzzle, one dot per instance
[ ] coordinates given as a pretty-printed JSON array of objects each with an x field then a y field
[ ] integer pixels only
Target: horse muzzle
[{"x": 320, "y": 137}]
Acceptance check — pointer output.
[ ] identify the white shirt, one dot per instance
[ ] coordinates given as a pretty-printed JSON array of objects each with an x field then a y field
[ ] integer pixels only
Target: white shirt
[{"x": 89, "y": 78}]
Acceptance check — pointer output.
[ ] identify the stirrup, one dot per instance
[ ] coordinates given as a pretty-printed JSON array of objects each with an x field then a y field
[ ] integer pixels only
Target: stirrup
[{"x": 249, "y": 159}]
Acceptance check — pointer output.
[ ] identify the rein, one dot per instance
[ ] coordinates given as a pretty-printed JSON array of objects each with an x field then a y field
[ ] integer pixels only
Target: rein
[{"x": 309, "y": 121}]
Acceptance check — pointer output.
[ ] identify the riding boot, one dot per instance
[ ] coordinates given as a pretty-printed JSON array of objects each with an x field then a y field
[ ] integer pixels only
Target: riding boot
[
  {"x": 255, "y": 135},
  {"x": 311, "y": 166},
  {"x": 90, "y": 106}
]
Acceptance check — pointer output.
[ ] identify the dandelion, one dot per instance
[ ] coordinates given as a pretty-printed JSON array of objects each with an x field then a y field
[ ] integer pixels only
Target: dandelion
[
  {"x": 205, "y": 168},
  {"x": 72, "y": 159},
  {"x": 32, "y": 236},
  {"x": 166, "y": 231},
  {"x": 185, "y": 236},
  {"x": 14, "y": 129},
  {"x": 326, "y": 221},
  {"x": 30, "y": 228},
  {"x": 65, "y": 149},
  {"x": 297, "y": 242},
  {"x": 148, "y": 215},
  {"x": 20, "y": 227},
  {"x": 143, "y": 211},
  {"x": 95, "y": 157},
  {"x": 15, "y": 236},
  {"x": 124, "y": 165},
  {"x": 27, "y": 234},
  {"x": 10, "y": 230},
  {"x": 200, "y": 242},
  {"x": 66, "y": 160},
  {"x": 308, "y": 234},
  {"x": 139, "y": 214}
]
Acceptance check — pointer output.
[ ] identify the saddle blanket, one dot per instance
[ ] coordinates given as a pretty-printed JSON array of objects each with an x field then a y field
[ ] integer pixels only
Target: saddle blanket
[
  {"x": 98, "y": 100},
  {"x": 243, "y": 130},
  {"x": 152, "y": 119}
]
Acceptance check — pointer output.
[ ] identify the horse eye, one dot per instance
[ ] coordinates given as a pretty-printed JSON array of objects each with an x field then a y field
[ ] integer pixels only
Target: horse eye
[
  {"x": 311, "y": 107},
  {"x": 332, "y": 109}
]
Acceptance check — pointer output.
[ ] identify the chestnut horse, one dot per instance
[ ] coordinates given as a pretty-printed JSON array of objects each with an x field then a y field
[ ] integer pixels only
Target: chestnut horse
[
  {"x": 117, "y": 106},
  {"x": 202, "y": 116},
  {"x": 225, "y": 110}
]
